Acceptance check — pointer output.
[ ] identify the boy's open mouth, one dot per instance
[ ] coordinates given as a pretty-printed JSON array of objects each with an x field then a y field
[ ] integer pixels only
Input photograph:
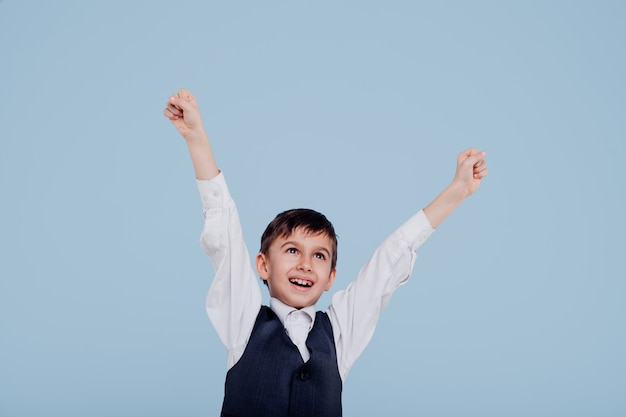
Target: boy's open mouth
[{"x": 301, "y": 282}]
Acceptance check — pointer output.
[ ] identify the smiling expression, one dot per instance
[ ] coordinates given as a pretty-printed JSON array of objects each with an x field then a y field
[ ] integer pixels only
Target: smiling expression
[{"x": 298, "y": 267}]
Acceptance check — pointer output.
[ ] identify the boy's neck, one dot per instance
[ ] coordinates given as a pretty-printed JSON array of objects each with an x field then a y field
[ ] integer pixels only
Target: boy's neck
[{"x": 282, "y": 310}]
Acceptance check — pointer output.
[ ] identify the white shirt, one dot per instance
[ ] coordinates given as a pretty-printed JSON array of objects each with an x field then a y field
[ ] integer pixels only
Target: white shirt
[{"x": 234, "y": 299}]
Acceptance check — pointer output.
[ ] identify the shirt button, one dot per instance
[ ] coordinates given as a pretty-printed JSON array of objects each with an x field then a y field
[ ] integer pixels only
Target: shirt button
[
  {"x": 304, "y": 376},
  {"x": 216, "y": 194}
]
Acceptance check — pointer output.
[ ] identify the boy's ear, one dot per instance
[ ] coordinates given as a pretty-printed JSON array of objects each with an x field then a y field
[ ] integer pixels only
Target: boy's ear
[
  {"x": 331, "y": 279},
  {"x": 261, "y": 266}
]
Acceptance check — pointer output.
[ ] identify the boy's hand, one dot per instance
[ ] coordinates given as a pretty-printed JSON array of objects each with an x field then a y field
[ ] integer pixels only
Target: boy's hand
[
  {"x": 182, "y": 110},
  {"x": 471, "y": 168}
]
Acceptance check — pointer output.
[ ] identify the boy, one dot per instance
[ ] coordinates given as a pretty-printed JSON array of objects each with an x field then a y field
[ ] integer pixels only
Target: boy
[{"x": 288, "y": 359}]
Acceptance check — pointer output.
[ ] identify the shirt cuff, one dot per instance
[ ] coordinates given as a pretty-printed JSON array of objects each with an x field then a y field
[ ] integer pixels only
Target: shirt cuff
[
  {"x": 416, "y": 230},
  {"x": 214, "y": 192}
]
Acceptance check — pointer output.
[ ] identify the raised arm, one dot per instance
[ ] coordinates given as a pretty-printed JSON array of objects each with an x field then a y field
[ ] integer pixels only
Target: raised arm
[
  {"x": 355, "y": 311},
  {"x": 182, "y": 110},
  {"x": 234, "y": 299},
  {"x": 471, "y": 168}
]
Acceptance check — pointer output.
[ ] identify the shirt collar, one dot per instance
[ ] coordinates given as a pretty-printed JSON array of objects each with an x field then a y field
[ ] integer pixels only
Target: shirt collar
[{"x": 282, "y": 310}]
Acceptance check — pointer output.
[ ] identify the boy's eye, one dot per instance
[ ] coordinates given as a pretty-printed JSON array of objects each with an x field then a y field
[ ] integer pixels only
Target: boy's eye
[
  {"x": 292, "y": 250},
  {"x": 320, "y": 255}
]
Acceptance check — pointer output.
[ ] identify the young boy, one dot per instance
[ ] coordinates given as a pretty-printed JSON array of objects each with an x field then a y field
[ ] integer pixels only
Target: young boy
[{"x": 287, "y": 359}]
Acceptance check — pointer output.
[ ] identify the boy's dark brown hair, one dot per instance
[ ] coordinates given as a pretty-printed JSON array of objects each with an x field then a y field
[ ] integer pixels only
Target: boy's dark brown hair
[{"x": 285, "y": 223}]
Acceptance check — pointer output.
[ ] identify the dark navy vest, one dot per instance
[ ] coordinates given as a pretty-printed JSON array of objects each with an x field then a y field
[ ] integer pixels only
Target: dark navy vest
[{"x": 272, "y": 380}]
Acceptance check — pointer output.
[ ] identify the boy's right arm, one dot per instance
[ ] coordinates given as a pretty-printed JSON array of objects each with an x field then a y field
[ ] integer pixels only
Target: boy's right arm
[{"x": 234, "y": 298}]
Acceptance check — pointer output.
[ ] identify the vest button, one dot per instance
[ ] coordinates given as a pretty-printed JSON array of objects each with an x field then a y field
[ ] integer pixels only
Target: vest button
[{"x": 304, "y": 376}]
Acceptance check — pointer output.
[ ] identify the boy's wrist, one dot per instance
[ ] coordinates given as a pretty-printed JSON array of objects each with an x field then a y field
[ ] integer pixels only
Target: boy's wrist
[
  {"x": 457, "y": 191},
  {"x": 196, "y": 137}
]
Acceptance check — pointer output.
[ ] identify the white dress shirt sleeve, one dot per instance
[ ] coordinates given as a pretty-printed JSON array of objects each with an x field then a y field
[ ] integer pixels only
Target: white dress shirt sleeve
[
  {"x": 234, "y": 298},
  {"x": 354, "y": 311}
]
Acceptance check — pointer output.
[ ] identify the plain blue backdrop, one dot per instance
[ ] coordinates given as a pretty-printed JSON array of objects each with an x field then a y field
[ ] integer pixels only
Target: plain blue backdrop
[{"x": 357, "y": 109}]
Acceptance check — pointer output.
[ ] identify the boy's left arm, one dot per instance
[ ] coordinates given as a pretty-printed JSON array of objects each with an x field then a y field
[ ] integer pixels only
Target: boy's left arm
[{"x": 354, "y": 311}]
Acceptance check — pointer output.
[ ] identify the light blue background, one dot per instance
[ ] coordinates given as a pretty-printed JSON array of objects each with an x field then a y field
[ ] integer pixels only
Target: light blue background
[{"x": 358, "y": 109}]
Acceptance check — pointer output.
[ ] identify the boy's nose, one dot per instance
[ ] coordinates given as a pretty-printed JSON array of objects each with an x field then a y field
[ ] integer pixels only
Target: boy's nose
[{"x": 305, "y": 266}]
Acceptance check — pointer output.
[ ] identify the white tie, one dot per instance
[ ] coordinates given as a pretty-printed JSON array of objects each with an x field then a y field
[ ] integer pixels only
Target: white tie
[{"x": 297, "y": 325}]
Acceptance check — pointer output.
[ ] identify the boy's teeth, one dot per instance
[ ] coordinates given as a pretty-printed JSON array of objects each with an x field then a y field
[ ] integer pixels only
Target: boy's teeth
[{"x": 300, "y": 282}]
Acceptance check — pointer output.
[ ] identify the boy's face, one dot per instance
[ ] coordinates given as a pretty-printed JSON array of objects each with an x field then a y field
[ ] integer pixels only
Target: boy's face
[{"x": 297, "y": 268}]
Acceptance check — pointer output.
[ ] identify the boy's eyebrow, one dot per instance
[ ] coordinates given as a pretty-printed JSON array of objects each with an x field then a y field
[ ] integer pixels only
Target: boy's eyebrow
[{"x": 294, "y": 243}]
